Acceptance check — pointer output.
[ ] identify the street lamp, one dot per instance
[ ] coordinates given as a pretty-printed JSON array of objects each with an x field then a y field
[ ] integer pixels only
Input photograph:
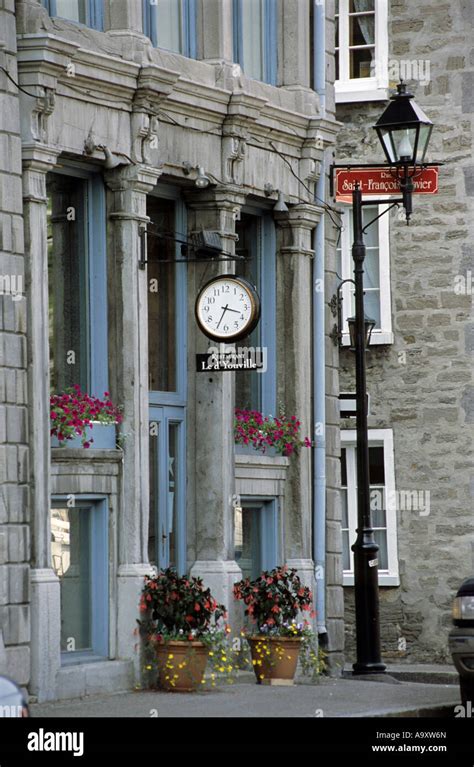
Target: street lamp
[
  {"x": 369, "y": 325},
  {"x": 404, "y": 132}
]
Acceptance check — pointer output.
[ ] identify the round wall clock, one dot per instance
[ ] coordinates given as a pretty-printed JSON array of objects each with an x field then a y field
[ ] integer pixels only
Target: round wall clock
[{"x": 227, "y": 308}]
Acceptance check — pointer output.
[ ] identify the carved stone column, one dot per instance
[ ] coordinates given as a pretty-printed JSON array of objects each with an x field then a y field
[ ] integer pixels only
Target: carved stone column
[
  {"x": 128, "y": 347},
  {"x": 294, "y": 323},
  {"x": 210, "y": 416},
  {"x": 45, "y": 594}
]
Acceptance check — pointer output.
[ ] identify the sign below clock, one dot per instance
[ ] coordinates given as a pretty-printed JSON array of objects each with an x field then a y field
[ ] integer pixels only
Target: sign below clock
[
  {"x": 233, "y": 360},
  {"x": 227, "y": 308}
]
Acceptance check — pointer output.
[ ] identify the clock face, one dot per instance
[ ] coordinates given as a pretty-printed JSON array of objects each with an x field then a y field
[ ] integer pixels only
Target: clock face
[{"x": 227, "y": 308}]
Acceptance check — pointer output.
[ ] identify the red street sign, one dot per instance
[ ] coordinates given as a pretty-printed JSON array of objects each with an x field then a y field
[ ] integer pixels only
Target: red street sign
[{"x": 378, "y": 181}]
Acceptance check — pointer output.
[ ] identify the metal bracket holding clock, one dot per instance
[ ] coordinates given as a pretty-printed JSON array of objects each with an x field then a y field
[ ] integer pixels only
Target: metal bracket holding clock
[
  {"x": 206, "y": 246},
  {"x": 227, "y": 308}
]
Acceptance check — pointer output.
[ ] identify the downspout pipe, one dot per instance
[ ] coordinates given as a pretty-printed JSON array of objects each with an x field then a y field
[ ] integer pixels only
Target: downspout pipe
[{"x": 319, "y": 355}]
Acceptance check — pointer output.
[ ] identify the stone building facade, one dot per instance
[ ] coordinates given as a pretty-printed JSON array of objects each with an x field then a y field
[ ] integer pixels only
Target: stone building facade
[
  {"x": 420, "y": 364},
  {"x": 15, "y": 509},
  {"x": 108, "y": 133}
]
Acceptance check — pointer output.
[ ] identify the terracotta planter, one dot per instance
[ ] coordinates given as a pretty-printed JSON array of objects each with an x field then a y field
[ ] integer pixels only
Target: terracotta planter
[
  {"x": 184, "y": 670},
  {"x": 275, "y": 658}
]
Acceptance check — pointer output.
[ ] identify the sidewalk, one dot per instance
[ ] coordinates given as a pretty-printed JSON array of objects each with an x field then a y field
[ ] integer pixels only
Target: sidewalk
[{"x": 329, "y": 698}]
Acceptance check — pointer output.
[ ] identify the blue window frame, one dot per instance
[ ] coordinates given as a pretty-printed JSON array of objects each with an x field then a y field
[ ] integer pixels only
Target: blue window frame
[
  {"x": 255, "y": 38},
  {"x": 77, "y": 281},
  {"x": 79, "y": 551},
  {"x": 257, "y": 544},
  {"x": 257, "y": 243},
  {"x": 87, "y": 12},
  {"x": 167, "y": 522},
  {"x": 167, "y": 365},
  {"x": 171, "y": 24}
]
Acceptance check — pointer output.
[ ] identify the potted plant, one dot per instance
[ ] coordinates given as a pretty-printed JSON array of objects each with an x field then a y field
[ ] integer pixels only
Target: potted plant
[
  {"x": 252, "y": 428},
  {"x": 180, "y": 619},
  {"x": 74, "y": 415},
  {"x": 272, "y": 603}
]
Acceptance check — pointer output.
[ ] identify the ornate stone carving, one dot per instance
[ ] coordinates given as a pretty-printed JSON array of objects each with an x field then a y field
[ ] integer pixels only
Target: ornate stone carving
[
  {"x": 233, "y": 154},
  {"x": 145, "y": 137},
  {"x": 42, "y": 109}
]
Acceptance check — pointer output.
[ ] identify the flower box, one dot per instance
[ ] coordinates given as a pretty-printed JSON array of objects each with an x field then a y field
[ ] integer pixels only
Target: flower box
[
  {"x": 79, "y": 420},
  {"x": 103, "y": 434}
]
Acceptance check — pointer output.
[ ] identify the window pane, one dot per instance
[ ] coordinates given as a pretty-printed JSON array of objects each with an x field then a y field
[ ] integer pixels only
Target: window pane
[
  {"x": 371, "y": 269},
  {"x": 376, "y": 466},
  {"x": 68, "y": 283},
  {"x": 252, "y": 38},
  {"x": 71, "y": 555},
  {"x": 173, "y": 489},
  {"x": 371, "y": 234},
  {"x": 75, "y": 10},
  {"x": 154, "y": 484},
  {"x": 162, "y": 323},
  {"x": 361, "y": 6},
  {"x": 346, "y": 551},
  {"x": 343, "y": 467},
  {"x": 247, "y": 544},
  {"x": 362, "y": 29},
  {"x": 360, "y": 62},
  {"x": 377, "y": 506},
  {"x": 344, "y": 518},
  {"x": 248, "y": 383},
  {"x": 168, "y": 23},
  {"x": 381, "y": 539}
]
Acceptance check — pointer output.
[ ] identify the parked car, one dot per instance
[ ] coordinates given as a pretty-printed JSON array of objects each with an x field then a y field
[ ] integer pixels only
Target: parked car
[
  {"x": 461, "y": 639},
  {"x": 12, "y": 701}
]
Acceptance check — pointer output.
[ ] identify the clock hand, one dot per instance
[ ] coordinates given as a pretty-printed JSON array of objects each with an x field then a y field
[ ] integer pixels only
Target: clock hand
[
  {"x": 236, "y": 311},
  {"x": 225, "y": 309}
]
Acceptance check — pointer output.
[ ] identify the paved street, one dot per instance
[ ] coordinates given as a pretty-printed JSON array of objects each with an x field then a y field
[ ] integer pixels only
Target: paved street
[{"x": 329, "y": 698}]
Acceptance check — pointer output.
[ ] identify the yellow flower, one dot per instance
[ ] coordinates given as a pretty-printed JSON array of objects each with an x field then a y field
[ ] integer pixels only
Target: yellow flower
[
  {"x": 211, "y": 654},
  {"x": 148, "y": 668},
  {"x": 171, "y": 655}
]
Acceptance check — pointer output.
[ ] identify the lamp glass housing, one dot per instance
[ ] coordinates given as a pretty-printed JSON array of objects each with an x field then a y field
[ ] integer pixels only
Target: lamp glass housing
[
  {"x": 369, "y": 325},
  {"x": 404, "y": 130}
]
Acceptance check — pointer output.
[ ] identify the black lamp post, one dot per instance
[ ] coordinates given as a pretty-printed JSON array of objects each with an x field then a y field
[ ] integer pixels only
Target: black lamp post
[{"x": 404, "y": 132}]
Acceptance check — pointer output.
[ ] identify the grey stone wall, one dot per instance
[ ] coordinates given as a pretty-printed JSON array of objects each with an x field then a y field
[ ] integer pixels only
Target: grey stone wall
[
  {"x": 14, "y": 513},
  {"x": 422, "y": 385}
]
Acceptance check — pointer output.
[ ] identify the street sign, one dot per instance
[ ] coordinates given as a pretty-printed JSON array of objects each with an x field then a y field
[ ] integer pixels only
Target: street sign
[{"x": 380, "y": 181}]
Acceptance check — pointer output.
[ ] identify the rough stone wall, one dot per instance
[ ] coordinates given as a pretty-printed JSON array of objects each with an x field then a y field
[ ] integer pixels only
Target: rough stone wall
[
  {"x": 422, "y": 386},
  {"x": 14, "y": 530}
]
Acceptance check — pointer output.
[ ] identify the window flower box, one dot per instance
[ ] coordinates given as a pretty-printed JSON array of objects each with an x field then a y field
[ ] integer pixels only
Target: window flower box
[
  {"x": 254, "y": 432},
  {"x": 79, "y": 420}
]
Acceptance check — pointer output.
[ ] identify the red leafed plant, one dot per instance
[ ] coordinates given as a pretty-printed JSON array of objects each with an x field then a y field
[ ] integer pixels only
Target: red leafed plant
[
  {"x": 274, "y": 599},
  {"x": 261, "y": 432},
  {"x": 73, "y": 411},
  {"x": 179, "y": 606}
]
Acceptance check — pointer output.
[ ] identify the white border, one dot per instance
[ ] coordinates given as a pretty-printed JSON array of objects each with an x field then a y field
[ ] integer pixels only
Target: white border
[
  {"x": 384, "y": 438},
  {"x": 385, "y": 334},
  {"x": 363, "y": 88}
]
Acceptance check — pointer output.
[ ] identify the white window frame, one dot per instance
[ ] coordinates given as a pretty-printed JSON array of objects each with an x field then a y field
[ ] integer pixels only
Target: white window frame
[
  {"x": 377, "y": 438},
  {"x": 363, "y": 88},
  {"x": 384, "y": 334}
]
